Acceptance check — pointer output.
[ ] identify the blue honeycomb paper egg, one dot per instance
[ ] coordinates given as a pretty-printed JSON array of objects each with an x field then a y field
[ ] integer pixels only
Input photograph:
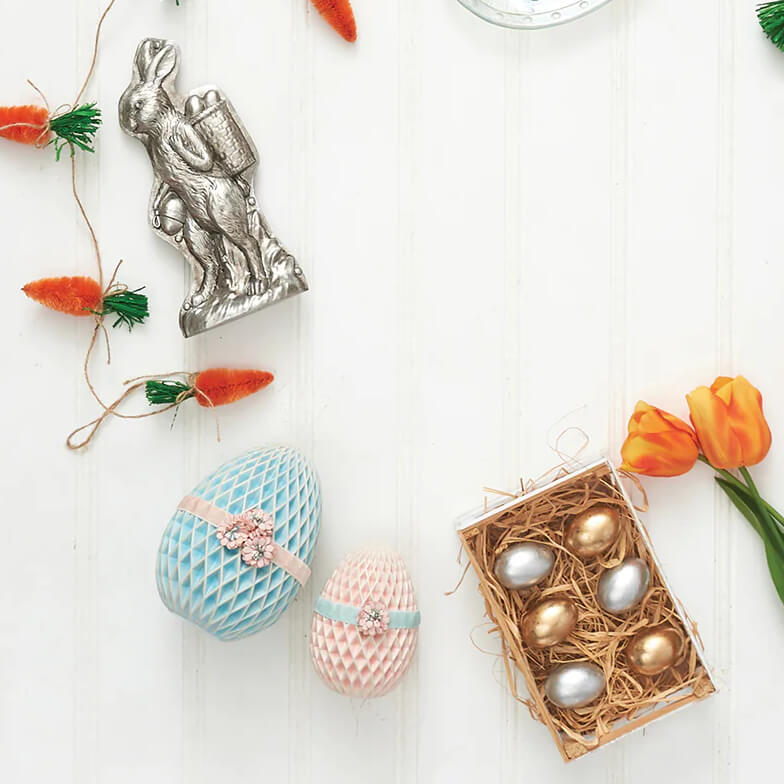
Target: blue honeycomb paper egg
[{"x": 210, "y": 585}]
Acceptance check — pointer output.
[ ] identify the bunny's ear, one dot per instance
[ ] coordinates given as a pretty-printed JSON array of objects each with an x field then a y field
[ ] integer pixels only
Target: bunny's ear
[
  {"x": 162, "y": 65},
  {"x": 144, "y": 56}
]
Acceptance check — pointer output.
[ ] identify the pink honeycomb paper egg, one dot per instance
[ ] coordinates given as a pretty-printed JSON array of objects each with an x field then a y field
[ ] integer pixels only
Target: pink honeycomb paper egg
[{"x": 367, "y": 656}]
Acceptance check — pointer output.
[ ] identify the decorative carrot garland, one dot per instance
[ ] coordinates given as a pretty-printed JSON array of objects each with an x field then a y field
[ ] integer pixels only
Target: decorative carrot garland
[
  {"x": 340, "y": 15},
  {"x": 211, "y": 388},
  {"x": 75, "y": 126},
  {"x": 771, "y": 19}
]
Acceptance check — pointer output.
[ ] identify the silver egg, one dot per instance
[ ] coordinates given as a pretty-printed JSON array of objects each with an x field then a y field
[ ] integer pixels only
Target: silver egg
[
  {"x": 172, "y": 214},
  {"x": 193, "y": 106},
  {"x": 574, "y": 685},
  {"x": 622, "y": 587},
  {"x": 523, "y": 565}
]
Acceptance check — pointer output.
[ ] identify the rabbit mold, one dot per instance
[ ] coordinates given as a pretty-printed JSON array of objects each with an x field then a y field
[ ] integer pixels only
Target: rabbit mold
[{"x": 203, "y": 200}]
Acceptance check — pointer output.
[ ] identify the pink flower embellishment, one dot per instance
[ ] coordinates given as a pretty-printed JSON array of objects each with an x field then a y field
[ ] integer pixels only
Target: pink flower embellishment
[
  {"x": 260, "y": 521},
  {"x": 258, "y": 551},
  {"x": 373, "y": 619},
  {"x": 252, "y": 530},
  {"x": 232, "y": 533}
]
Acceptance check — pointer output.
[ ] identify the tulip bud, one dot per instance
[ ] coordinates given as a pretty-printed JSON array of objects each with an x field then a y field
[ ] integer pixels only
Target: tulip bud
[
  {"x": 730, "y": 425},
  {"x": 658, "y": 444}
]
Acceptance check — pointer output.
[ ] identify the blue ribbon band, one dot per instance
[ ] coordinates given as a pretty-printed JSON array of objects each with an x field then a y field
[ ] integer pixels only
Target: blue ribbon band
[{"x": 346, "y": 613}]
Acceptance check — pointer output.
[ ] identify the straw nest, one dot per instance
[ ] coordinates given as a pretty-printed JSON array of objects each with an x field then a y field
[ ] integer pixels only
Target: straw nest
[{"x": 599, "y": 637}]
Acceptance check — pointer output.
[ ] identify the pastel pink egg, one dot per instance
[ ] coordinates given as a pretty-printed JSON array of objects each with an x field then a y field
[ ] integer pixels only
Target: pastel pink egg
[{"x": 357, "y": 664}]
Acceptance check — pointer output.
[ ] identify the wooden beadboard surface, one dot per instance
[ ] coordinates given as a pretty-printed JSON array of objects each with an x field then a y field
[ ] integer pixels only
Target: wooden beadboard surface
[{"x": 506, "y": 234}]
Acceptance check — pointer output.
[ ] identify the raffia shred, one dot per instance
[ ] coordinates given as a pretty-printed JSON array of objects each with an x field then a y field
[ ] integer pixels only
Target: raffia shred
[{"x": 599, "y": 637}]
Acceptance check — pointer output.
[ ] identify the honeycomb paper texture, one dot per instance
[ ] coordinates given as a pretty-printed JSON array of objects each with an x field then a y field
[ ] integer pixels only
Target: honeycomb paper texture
[
  {"x": 357, "y": 665},
  {"x": 210, "y": 585}
]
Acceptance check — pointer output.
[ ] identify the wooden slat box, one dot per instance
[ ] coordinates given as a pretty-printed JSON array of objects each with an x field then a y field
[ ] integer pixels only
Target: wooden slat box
[{"x": 630, "y": 701}]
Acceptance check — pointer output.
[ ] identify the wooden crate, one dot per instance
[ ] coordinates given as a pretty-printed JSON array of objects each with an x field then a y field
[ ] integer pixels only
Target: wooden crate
[{"x": 479, "y": 532}]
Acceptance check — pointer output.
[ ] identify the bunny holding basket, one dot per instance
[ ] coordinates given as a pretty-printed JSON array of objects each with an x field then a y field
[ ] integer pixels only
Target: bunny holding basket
[{"x": 203, "y": 199}]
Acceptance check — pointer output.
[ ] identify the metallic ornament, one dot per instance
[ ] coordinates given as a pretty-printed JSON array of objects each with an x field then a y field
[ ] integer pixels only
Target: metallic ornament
[
  {"x": 592, "y": 532},
  {"x": 203, "y": 200},
  {"x": 622, "y": 587},
  {"x": 523, "y": 565},
  {"x": 652, "y": 651},
  {"x": 574, "y": 685},
  {"x": 531, "y": 14},
  {"x": 549, "y": 622}
]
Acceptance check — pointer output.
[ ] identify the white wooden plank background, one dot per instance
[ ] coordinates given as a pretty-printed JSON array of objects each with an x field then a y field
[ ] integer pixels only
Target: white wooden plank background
[{"x": 506, "y": 234}]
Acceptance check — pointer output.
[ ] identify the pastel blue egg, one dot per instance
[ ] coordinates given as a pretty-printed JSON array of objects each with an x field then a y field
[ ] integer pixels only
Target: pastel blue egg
[{"x": 210, "y": 585}]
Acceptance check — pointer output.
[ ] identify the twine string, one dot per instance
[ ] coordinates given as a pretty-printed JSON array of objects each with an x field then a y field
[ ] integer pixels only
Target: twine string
[
  {"x": 41, "y": 141},
  {"x": 88, "y": 223},
  {"x": 44, "y": 128},
  {"x": 94, "y": 59},
  {"x": 132, "y": 385},
  {"x": 65, "y": 108},
  {"x": 100, "y": 326}
]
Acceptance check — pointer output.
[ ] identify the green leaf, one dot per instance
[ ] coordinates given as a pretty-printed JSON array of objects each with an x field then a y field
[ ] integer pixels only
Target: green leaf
[
  {"x": 741, "y": 504},
  {"x": 776, "y": 569},
  {"x": 773, "y": 535}
]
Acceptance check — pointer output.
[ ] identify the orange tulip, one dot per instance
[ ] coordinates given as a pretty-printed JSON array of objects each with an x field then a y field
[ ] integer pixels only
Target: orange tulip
[
  {"x": 658, "y": 444},
  {"x": 730, "y": 425}
]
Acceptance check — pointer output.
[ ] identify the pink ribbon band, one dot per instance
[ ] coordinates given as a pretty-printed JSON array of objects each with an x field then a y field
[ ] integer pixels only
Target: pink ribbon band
[{"x": 213, "y": 515}]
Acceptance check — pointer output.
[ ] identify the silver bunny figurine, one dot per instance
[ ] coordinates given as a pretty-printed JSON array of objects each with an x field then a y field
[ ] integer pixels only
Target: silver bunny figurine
[{"x": 203, "y": 199}]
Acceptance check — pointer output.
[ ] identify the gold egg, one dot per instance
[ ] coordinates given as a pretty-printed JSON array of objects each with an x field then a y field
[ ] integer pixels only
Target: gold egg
[
  {"x": 593, "y": 531},
  {"x": 549, "y": 622},
  {"x": 652, "y": 651}
]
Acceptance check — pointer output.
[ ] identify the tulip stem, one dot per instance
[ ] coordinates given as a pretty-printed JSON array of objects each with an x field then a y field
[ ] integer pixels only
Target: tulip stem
[
  {"x": 763, "y": 515},
  {"x": 777, "y": 516}
]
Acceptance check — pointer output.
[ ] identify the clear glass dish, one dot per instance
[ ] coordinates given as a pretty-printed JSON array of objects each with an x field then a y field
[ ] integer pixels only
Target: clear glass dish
[{"x": 531, "y": 14}]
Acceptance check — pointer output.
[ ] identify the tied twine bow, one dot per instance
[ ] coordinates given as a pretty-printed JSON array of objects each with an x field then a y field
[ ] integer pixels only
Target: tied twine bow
[
  {"x": 189, "y": 389},
  {"x": 73, "y": 124}
]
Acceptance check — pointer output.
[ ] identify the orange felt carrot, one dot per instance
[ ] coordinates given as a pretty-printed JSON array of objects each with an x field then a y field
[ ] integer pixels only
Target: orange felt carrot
[
  {"x": 340, "y": 15},
  {"x": 35, "y": 125},
  {"x": 214, "y": 387},
  {"x": 25, "y": 124},
  {"x": 81, "y": 296},
  {"x": 77, "y": 296},
  {"x": 219, "y": 386}
]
